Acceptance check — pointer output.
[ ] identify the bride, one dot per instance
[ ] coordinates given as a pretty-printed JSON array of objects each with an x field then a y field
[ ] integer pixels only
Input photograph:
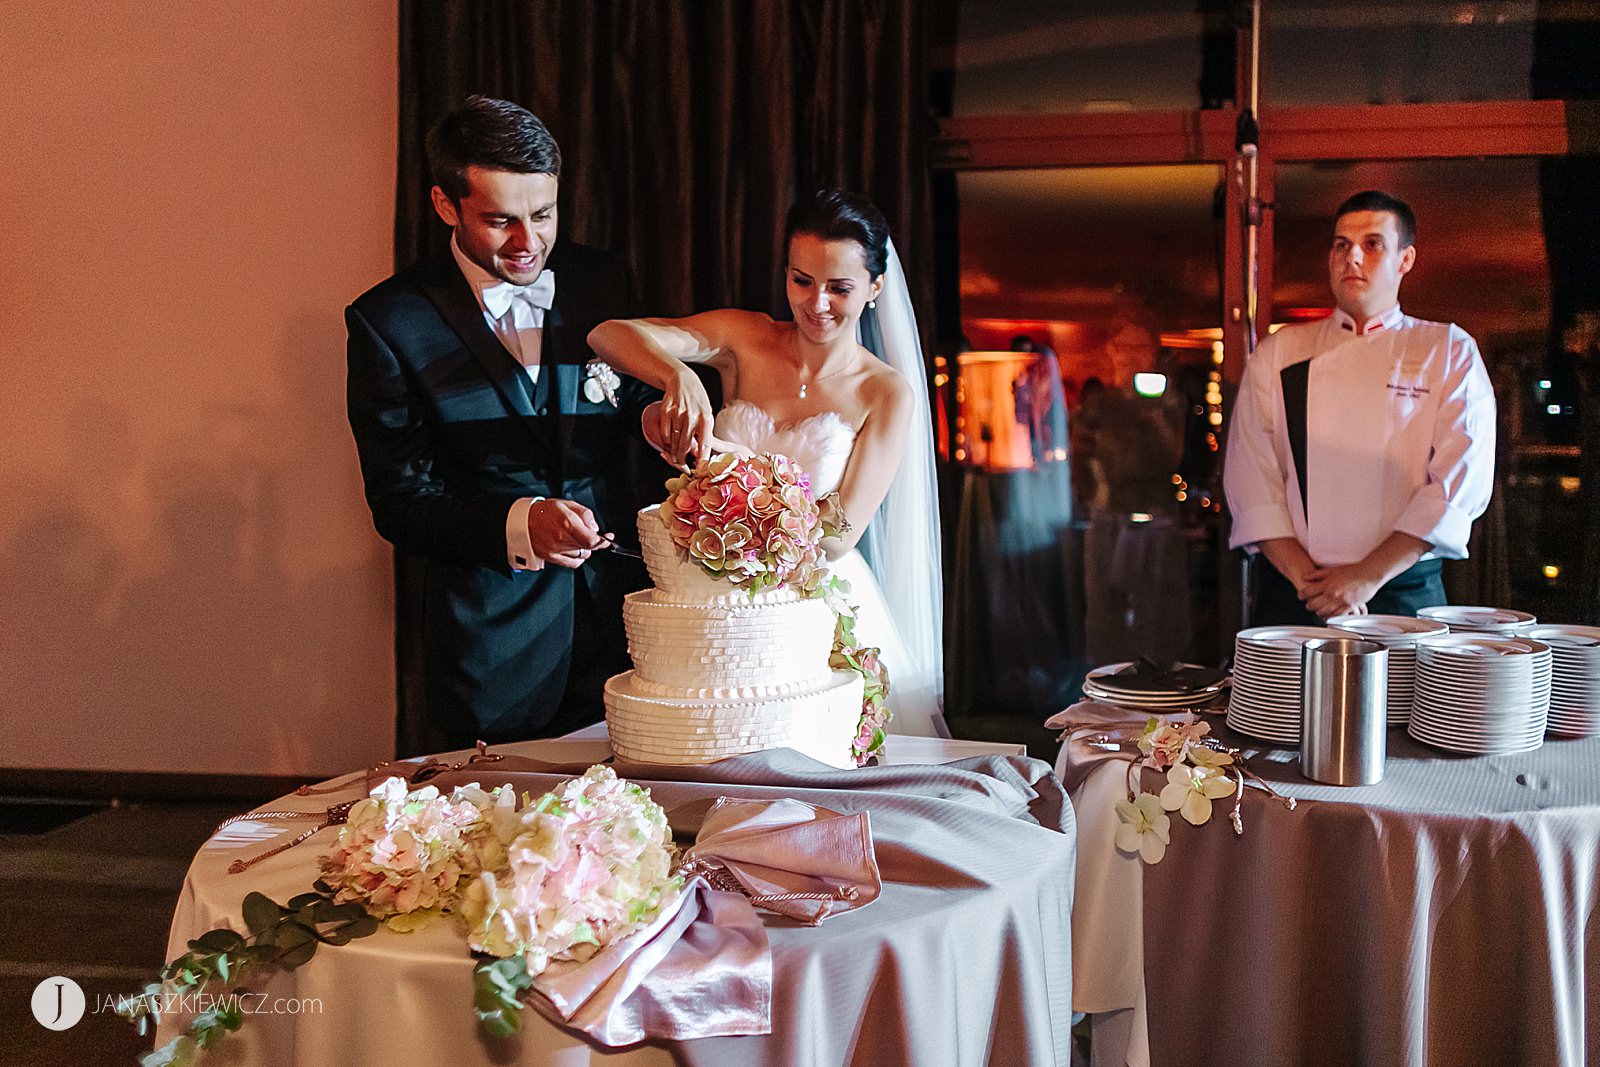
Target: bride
[{"x": 858, "y": 421}]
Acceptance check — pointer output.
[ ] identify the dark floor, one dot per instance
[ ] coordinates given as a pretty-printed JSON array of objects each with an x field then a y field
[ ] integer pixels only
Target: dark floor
[{"x": 88, "y": 890}]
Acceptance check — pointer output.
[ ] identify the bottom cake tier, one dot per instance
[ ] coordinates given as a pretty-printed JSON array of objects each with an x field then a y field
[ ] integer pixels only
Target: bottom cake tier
[{"x": 819, "y": 722}]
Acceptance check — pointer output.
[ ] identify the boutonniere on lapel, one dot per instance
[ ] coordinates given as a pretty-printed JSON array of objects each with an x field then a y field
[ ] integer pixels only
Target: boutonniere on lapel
[{"x": 600, "y": 382}]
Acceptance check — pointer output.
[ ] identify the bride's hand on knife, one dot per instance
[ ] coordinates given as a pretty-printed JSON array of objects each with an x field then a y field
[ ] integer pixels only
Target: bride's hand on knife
[
  {"x": 681, "y": 440},
  {"x": 685, "y": 416},
  {"x": 697, "y": 452}
]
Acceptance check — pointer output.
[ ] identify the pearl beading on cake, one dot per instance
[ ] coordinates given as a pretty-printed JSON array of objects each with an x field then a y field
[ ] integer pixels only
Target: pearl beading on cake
[
  {"x": 750, "y": 650},
  {"x": 819, "y": 724},
  {"x": 719, "y": 672}
]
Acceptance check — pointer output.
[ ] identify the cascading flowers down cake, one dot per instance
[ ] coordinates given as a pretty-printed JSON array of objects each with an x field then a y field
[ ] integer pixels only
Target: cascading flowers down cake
[{"x": 746, "y": 643}]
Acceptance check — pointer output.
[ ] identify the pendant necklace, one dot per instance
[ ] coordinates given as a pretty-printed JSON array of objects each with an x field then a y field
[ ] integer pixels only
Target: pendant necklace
[{"x": 805, "y": 386}]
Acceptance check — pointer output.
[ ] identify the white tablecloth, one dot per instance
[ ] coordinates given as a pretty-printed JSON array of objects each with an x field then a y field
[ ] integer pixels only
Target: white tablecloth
[
  {"x": 1446, "y": 915},
  {"x": 423, "y": 1012}
]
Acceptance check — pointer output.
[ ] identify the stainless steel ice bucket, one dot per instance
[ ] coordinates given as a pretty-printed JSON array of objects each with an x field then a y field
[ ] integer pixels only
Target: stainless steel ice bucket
[{"x": 1344, "y": 692}]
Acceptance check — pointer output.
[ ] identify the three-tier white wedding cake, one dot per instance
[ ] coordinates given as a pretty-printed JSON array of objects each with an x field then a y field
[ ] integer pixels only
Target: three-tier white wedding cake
[{"x": 719, "y": 672}]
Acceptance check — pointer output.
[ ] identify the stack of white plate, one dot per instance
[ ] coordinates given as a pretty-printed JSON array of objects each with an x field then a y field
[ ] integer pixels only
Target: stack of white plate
[
  {"x": 1103, "y": 685},
  {"x": 1266, "y": 680},
  {"x": 1462, "y": 618},
  {"x": 1481, "y": 694},
  {"x": 1399, "y": 634},
  {"x": 1574, "y": 677}
]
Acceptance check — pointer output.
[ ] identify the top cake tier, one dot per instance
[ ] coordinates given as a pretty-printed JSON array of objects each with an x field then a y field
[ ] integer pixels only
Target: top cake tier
[{"x": 680, "y": 580}]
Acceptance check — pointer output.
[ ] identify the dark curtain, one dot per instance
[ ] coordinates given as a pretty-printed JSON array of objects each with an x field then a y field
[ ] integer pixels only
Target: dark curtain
[{"x": 686, "y": 129}]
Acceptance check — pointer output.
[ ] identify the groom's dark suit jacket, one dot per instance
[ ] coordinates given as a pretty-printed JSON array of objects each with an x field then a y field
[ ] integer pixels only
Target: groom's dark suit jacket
[{"x": 450, "y": 433}]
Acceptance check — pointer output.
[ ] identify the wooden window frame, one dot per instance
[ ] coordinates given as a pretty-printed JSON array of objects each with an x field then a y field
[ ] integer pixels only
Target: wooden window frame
[{"x": 1288, "y": 135}]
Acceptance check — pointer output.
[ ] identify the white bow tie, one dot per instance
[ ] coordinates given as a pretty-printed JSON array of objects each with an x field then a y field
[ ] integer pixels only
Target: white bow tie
[{"x": 541, "y": 293}]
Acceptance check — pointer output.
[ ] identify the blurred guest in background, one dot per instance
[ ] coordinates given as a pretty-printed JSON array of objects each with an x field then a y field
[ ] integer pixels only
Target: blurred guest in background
[{"x": 1127, "y": 440}]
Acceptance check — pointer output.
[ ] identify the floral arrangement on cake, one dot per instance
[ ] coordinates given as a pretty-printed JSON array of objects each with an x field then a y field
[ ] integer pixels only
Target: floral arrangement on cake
[
  {"x": 580, "y": 867},
  {"x": 755, "y": 521},
  {"x": 752, "y": 520},
  {"x": 875, "y": 714}
]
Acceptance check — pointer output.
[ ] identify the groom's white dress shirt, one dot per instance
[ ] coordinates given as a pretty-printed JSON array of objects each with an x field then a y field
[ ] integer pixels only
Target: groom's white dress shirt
[
  {"x": 1400, "y": 435},
  {"x": 516, "y": 315}
]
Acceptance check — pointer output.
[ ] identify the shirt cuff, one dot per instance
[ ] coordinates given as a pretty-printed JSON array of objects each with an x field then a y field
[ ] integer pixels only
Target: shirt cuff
[
  {"x": 519, "y": 546},
  {"x": 1254, "y": 525},
  {"x": 1438, "y": 522}
]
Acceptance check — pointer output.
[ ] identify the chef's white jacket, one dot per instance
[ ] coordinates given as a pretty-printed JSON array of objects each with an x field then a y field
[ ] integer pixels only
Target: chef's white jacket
[{"x": 1399, "y": 435}]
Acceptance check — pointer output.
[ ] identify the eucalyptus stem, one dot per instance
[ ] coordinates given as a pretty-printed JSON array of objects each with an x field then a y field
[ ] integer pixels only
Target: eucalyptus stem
[{"x": 281, "y": 937}]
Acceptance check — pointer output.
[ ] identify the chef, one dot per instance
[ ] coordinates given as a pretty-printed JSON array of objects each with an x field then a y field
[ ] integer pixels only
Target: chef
[{"x": 1362, "y": 446}]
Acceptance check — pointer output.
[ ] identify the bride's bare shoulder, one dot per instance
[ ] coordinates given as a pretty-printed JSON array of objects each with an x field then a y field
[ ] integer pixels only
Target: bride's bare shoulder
[
  {"x": 884, "y": 386},
  {"x": 747, "y": 322}
]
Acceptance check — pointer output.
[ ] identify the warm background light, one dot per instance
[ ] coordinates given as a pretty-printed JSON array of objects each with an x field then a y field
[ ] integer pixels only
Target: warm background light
[{"x": 191, "y": 579}]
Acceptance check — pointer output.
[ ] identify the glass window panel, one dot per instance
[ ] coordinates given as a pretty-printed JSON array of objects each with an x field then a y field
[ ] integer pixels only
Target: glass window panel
[
  {"x": 1076, "y": 247},
  {"x": 1115, "y": 271},
  {"x": 1075, "y": 56},
  {"x": 1322, "y": 52}
]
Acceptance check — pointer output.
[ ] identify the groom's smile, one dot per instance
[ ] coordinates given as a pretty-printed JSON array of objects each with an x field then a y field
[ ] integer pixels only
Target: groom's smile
[{"x": 506, "y": 223}]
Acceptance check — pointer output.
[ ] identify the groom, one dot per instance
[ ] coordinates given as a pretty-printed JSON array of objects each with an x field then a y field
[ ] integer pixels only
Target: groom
[{"x": 494, "y": 458}]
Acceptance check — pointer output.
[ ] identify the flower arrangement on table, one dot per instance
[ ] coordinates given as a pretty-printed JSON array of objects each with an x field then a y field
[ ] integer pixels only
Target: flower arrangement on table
[
  {"x": 755, "y": 521},
  {"x": 1200, "y": 771},
  {"x": 570, "y": 872}
]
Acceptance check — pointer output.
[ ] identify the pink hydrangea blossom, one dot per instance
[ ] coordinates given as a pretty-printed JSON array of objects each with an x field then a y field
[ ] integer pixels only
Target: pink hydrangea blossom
[
  {"x": 400, "y": 851},
  {"x": 584, "y": 864}
]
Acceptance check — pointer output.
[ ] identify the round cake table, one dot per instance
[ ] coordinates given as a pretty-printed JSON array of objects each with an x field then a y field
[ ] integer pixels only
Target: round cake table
[
  {"x": 954, "y": 963},
  {"x": 1446, "y": 915}
]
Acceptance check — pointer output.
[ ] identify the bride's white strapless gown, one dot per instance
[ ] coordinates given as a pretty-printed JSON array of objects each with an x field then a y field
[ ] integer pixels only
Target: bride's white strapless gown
[{"x": 822, "y": 444}]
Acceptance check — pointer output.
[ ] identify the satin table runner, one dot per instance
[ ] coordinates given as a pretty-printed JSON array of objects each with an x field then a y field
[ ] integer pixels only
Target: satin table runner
[
  {"x": 1445, "y": 916},
  {"x": 963, "y": 958}
]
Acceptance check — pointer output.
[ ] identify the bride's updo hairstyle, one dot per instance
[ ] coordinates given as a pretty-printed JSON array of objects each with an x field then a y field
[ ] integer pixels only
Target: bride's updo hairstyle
[{"x": 837, "y": 215}]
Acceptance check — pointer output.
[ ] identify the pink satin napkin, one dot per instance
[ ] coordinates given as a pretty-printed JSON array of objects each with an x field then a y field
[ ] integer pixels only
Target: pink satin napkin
[
  {"x": 701, "y": 969},
  {"x": 1103, "y": 732},
  {"x": 800, "y": 861}
]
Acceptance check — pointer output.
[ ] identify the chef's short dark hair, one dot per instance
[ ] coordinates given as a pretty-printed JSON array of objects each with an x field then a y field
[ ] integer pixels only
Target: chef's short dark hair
[{"x": 1374, "y": 200}]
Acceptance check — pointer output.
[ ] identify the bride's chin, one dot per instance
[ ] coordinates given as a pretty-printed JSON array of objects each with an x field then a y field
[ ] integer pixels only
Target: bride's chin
[{"x": 815, "y": 335}]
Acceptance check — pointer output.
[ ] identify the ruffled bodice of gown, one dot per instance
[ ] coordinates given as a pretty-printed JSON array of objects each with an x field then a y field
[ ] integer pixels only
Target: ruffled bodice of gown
[{"x": 822, "y": 444}]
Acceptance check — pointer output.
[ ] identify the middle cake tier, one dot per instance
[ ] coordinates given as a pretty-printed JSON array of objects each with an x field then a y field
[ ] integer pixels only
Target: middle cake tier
[{"x": 727, "y": 650}]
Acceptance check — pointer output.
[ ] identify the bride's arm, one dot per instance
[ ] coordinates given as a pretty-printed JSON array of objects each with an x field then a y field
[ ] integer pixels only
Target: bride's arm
[
  {"x": 879, "y": 448},
  {"x": 658, "y": 352}
]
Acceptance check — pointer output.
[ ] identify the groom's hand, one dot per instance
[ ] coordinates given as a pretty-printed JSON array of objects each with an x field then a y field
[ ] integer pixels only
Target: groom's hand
[{"x": 563, "y": 532}]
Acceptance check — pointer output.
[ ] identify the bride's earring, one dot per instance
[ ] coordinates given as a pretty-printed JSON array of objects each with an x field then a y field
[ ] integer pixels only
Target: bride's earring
[{"x": 873, "y": 304}]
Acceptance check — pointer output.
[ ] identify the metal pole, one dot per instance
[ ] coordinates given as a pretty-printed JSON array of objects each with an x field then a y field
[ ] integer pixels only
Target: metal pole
[{"x": 1247, "y": 171}]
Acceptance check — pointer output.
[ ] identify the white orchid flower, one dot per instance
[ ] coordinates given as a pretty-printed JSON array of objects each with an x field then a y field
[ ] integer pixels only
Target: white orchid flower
[
  {"x": 1191, "y": 790},
  {"x": 1210, "y": 758},
  {"x": 1144, "y": 828}
]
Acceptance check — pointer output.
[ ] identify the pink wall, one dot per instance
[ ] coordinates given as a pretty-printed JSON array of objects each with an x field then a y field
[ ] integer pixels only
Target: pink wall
[{"x": 189, "y": 580}]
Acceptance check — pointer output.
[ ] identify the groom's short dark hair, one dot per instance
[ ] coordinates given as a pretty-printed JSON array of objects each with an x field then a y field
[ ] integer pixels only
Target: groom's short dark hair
[{"x": 485, "y": 132}]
